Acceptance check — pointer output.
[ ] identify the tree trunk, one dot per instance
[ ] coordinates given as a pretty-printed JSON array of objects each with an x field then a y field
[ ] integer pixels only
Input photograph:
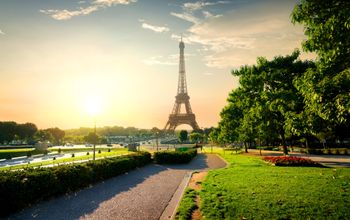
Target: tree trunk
[
  {"x": 285, "y": 150},
  {"x": 245, "y": 147},
  {"x": 260, "y": 147}
]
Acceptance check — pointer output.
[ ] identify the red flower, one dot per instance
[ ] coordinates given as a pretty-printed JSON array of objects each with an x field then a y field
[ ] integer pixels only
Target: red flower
[{"x": 290, "y": 161}]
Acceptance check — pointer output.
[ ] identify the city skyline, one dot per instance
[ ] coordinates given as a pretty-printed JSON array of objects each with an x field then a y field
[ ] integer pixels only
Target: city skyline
[{"x": 57, "y": 56}]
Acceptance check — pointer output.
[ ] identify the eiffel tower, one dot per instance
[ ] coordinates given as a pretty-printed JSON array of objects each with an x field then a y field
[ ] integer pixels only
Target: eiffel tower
[{"x": 177, "y": 118}]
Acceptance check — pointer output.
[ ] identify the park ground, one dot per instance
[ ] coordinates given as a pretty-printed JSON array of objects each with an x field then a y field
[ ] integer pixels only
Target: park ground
[{"x": 249, "y": 188}]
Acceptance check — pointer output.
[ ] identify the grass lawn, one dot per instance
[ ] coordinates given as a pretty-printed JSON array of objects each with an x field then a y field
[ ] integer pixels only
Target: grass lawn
[
  {"x": 82, "y": 149},
  {"x": 19, "y": 152},
  {"x": 113, "y": 153},
  {"x": 16, "y": 150},
  {"x": 250, "y": 188}
]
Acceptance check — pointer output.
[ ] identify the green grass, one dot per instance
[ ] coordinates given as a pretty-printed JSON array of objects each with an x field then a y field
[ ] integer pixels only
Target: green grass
[
  {"x": 250, "y": 188},
  {"x": 187, "y": 205},
  {"x": 82, "y": 149},
  {"x": 19, "y": 152},
  {"x": 16, "y": 150},
  {"x": 66, "y": 160}
]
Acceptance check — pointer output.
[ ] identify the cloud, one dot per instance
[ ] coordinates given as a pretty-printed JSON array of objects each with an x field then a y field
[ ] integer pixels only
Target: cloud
[
  {"x": 207, "y": 14},
  {"x": 186, "y": 16},
  {"x": 66, "y": 14},
  {"x": 1, "y": 32},
  {"x": 170, "y": 60},
  {"x": 190, "y": 7},
  {"x": 194, "y": 6},
  {"x": 158, "y": 29},
  {"x": 159, "y": 60},
  {"x": 238, "y": 37}
]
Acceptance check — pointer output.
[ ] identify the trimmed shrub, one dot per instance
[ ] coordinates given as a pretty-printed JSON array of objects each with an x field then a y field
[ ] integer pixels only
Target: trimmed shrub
[
  {"x": 177, "y": 157},
  {"x": 291, "y": 161},
  {"x": 21, "y": 188}
]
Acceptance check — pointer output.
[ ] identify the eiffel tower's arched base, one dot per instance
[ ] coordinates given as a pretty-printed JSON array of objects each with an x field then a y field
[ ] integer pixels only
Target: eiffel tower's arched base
[{"x": 180, "y": 119}]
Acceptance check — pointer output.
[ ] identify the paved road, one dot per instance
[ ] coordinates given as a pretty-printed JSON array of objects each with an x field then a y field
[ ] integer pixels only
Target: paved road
[{"x": 140, "y": 194}]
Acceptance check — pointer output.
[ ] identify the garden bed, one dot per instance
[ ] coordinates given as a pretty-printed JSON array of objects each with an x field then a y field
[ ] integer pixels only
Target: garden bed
[{"x": 291, "y": 161}]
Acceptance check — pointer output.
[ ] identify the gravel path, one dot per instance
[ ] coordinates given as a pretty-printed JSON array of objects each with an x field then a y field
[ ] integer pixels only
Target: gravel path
[{"x": 140, "y": 194}]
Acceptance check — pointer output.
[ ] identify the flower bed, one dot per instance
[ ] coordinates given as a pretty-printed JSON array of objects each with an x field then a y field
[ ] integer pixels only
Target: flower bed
[{"x": 291, "y": 161}]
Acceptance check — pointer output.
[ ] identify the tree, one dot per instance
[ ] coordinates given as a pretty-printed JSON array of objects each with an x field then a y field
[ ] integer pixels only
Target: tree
[
  {"x": 44, "y": 135},
  {"x": 327, "y": 25},
  {"x": 7, "y": 131},
  {"x": 26, "y": 131},
  {"x": 57, "y": 133},
  {"x": 266, "y": 97},
  {"x": 183, "y": 136},
  {"x": 195, "y": 137},
  {"x": 326, "y": 89},
  {"x": 92, "y": 138}
]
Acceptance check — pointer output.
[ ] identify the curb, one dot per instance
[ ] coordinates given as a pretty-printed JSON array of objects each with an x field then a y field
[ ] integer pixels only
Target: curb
[{"x": 170, "y": 210}]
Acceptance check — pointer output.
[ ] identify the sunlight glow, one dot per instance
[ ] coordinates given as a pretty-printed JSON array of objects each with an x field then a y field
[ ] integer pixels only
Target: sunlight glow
[{"x": 93, "y": 105}]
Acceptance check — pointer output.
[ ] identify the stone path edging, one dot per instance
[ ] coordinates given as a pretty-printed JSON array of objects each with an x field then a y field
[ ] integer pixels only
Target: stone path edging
[
  {"x": 170, "y": 210},
  {"x": 178, "y": 195}
]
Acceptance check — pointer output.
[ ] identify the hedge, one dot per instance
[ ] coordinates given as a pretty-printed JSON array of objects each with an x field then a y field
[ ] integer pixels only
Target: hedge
[
  {"x": 19, "y": 189},
  {"x": 177, "y": 157}
]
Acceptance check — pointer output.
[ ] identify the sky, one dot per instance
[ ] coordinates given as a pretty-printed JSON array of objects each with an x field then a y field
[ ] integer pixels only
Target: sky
[{"x": 62, "y": 60}]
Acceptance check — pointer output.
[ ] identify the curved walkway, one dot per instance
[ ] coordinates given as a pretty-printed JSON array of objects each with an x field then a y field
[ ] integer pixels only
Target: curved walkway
[{"x": 143, "y": 193}]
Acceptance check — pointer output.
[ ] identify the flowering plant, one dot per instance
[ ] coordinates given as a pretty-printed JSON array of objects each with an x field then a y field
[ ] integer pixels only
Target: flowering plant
[{"x": 291, "y": 161}]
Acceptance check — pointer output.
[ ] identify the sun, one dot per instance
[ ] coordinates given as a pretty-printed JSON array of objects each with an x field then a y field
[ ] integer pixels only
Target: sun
[{"x": 93, "y": 105}]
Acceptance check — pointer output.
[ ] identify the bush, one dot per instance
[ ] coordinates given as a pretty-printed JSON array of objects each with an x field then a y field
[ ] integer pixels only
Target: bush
[
  {"x": 21, "y": 188},
  {"x": 291, "y": 161},
  {"x": 177, "y": 157}
]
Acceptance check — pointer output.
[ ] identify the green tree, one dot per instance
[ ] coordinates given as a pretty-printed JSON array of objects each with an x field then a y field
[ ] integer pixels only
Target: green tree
[
  {"x": 57, "y": 134},
  {"x": 326, "y": 89},
  {"x": 26, "y": 131},
  {"x": 183, "y": 136},
  {"x": 92, "y": 138},
  {"x": 195, "y": 137},
  {"x": 44, "y": 135},
  {"x": 266, "y": 98},
  {"x": 7, "y": 131}
]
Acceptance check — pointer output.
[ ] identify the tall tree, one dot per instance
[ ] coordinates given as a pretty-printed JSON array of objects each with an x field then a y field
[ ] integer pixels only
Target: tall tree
[
  {"x": 26, "y": 131},
  {"x": 92, "y": 138},
  {"x": 260, "y": 107},
  {"x": 44, "y": 135},
  {"x": 326, "y": 90},
  {"x": 7, "y": 131},
  {"x": 57, "y": 134}
]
